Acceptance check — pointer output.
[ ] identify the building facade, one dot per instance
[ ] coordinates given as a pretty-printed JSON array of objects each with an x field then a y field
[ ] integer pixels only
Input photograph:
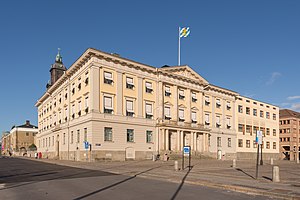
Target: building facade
[
  {"x": 289, "y": 126},
  {"x": 127, "y": 110},
  {"x": 19, "y": 139}
]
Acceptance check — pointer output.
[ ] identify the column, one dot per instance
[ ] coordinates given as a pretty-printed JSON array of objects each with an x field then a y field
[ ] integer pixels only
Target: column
[
  {"x": 188, "y": 109},
  {"x": 181, "y": 140},
  {"x": 119, "y": 93},
  {"x": 167, "y": 139},
  {"x": 192, "y": 140},
  {"x": 95, "y": 89},
  {"x": 140, "y": 97},
  {"x": 178, "y": 140},
  {"x": 175, "y": 109}
]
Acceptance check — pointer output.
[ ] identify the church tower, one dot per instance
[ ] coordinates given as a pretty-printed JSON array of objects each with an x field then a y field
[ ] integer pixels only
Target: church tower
[{"x": 57, "y": 70}]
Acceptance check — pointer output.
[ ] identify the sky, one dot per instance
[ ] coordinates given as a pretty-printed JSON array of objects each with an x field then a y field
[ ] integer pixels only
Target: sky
[{"x": 248, "y": 46}]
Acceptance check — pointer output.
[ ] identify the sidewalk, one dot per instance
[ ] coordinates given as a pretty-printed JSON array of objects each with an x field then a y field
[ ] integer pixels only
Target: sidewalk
[{"x": 209, "y": 173}]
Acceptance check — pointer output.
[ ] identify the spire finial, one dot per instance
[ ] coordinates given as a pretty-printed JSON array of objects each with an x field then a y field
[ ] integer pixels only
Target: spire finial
[{"x": 58, "y": 56}]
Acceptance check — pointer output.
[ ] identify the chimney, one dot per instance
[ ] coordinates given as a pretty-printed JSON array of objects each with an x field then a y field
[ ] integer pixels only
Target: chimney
[{"x": 27, "y": 122}]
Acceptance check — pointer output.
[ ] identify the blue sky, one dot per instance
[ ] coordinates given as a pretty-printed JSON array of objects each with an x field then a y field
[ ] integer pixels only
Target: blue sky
[{"x": 252, "y": 47}]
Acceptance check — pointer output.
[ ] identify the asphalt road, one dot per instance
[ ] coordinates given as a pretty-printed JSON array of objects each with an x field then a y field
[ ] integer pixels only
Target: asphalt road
[{"x": 30, "y": 179}]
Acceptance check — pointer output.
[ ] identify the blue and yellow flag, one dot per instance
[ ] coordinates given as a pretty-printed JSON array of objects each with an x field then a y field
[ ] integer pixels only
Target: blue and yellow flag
[{"x": 184, "y": 32}]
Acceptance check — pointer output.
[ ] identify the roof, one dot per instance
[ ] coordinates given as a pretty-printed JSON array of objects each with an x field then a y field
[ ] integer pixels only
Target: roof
[{"x": 288, "y": 113}]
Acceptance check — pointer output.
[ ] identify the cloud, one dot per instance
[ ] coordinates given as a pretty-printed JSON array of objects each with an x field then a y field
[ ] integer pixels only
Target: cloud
[
  {"x": 295, "y": 106},
  {"x": 273, "y": 78},
  {"x": 291, "y": 98}
]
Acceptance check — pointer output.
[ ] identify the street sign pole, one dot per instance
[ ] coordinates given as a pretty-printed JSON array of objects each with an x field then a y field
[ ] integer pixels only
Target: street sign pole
[{"x": 257, "y": 160}]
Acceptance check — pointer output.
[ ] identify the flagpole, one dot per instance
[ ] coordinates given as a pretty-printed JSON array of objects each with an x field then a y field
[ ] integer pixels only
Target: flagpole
[{"x": 179, "y": 47}]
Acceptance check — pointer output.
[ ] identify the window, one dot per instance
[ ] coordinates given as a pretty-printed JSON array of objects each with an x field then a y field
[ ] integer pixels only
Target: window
[
  {"x": 167, "y": 91},
  {"x": 86, "y": 104},
  {"x": 86, "y": 81},
  {"x": 274, "y": 145},
  {"x": 207, "y": 101},
  {"x": 181, "y": 115},
  {"x": 240, "y": 109},
  {"x": 247, "y": 110},
  {"x": 149, "y": 113},
  {"x": 129, "y": 108},
  {"x": 79, "y": 108},
  {"x": 261, "y": 113},
  {"x": 268, "y": 131},
  {"x": 207, "y": 119},
  {"x": 194, "y": 117},
  {"x": 229, "y": 142},
  {"x": 167, "y": 113},
  {"x": 129, "y": 83},
  {"x": 64, "y": 138},
  {"x": 218, "y": 103},
  {"x": 78, "y": 136},
  {"x": 149, "y": 88},
  {"x": 130, "y": 135},
  {"x": 228, "y": 105},
  {"x": 218, "y": 124},
  {"x": 248, "y": 129},
  {"x": 274, "y": 132},
  {"x": 254, "y": 112},
  {"x": 241, "y": 128},
  {"x": 274, "y": 116},
  {"x": 108, "y": 78},
  {"x": 73, "y": 111},
  {"x": 247, "y": 143},
  {"x": 107, "y": 134},
  {"x": 72, "y": 137},
  {"x": 228, "y": 123},
  {"x": 240, "y": 142},
  {"x": 181, "y": 94},
  {"x": 85, "y": 134},
  {"x": 149, "y": 136},
  {"x": 268, "y": 145},
  {"x": 254, "y": 144},
  {"x": 194, "y": 97},
  {"x": 108, "y": 107},
  {"x": 219, "y": 143}
]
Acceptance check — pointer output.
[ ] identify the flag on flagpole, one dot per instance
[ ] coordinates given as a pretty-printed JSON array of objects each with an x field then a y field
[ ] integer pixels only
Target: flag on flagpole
[{"x": 184, "y": 32}]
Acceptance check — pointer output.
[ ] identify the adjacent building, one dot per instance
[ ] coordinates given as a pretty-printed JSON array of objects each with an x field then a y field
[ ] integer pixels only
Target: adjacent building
[
  {"x": 19, "y": 139},
  {"x": 108, "y": 107},
  {"x": 289, "y": 126}
]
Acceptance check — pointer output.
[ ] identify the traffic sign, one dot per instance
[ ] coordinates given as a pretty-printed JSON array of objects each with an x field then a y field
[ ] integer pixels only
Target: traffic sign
[
  {"x": 186, "y": 150},
  {"x": 259, "y": 137},
  {"x": 86, "y": 144}
]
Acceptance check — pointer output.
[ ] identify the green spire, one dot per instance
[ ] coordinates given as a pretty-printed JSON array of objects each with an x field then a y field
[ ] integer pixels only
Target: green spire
[{"x": 58, "y": 58}]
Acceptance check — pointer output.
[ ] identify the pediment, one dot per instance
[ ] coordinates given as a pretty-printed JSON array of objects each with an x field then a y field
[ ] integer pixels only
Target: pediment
[{"x": 186, "y": 72}]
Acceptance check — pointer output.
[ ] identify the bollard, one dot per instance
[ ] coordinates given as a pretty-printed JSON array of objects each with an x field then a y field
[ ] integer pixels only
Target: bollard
[
  {"x": 176, "y": 165},
  {"x": 153, "y": 157},
  {"x": 234, "y": 163},
  {"x": 275, "y": 174},
  {"x": 272, "y": 161}
]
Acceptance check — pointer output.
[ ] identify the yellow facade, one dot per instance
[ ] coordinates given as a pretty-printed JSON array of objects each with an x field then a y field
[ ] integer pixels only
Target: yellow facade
[{"x": 128, "y": 110}]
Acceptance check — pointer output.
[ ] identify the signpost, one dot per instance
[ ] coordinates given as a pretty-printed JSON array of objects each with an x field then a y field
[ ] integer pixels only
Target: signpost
[
  {"x": 186, "y": 153},
  {"x": 258, "y": 142},
  {"x": 86, "y": 146}
]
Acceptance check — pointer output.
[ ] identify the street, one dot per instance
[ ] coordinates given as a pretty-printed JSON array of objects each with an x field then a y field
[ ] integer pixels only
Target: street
[{"x": 30, "y": 179}]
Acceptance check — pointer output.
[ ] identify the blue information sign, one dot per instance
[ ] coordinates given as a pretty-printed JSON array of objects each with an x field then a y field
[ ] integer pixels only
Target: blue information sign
[
  {"x": 186, "y": 150},
  {"x": 86, "y": 144}
]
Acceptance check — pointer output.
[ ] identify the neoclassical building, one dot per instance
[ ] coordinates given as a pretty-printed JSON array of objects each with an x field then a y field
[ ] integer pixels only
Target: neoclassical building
[{"x": 108, "y": 107}]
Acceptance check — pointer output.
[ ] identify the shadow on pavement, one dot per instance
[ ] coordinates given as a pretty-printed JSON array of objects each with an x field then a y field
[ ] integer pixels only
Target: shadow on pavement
[{"x": 115, "y": 184}]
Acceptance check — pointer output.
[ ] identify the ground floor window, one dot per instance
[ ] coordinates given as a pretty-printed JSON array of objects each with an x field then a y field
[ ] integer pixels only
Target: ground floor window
[
  {"x": 130, "y": 135},
  {"x": 240, "y": 142},
  {"x": 149, "y": 136},
  {"x": 107, "y": 134}
]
